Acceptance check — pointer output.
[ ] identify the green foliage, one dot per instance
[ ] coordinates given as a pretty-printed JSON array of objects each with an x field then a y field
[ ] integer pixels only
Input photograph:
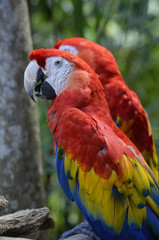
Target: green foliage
[{"x": 130, "y": 30}]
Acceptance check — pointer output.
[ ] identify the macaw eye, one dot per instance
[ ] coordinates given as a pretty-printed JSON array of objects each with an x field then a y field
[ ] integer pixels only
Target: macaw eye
[{"x": 58, "y": 63}]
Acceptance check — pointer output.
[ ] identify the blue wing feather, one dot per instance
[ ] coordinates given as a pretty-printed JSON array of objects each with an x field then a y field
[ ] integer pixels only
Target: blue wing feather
[
  {"x": 58, "y": 165},
  {"x": 151, "y": 225},
  {"x": 62, "y": 176}
]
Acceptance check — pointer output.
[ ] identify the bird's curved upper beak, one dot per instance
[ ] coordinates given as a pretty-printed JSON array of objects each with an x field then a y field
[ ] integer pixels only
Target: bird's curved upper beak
[
  {"x": 30, "y": 76},
  {"x": 35, "y": 84}
]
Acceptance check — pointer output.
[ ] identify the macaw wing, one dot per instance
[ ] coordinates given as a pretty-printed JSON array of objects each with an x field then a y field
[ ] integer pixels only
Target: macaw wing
[
  {"x": 132, "y": 119},
  {"x": 114, "y": 192},
  {"x": 112, "y": 201}
]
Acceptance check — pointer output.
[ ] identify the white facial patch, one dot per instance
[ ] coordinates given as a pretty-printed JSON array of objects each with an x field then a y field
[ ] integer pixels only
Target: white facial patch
[
  {"x": 30, "y": 74},
  {"x": 68, "y": 48},
  {"x": 57, "y": 70}
]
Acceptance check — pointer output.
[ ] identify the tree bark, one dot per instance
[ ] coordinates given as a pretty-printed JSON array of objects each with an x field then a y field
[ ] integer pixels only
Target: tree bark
[{"x": 20, "y": 156}]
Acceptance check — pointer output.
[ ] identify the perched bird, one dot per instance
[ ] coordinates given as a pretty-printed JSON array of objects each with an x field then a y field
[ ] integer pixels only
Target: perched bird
[
  {"x": 125, "y": 106},
  {"x": 98, "y": 167}
]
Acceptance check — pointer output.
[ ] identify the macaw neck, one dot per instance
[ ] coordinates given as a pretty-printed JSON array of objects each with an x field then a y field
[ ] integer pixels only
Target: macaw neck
[
  {"x": 108, "y": 71},
  {"x": 102, "y": 62},
  {"x": 97, "y": 107},
  {"x": 91, "y": 103}
]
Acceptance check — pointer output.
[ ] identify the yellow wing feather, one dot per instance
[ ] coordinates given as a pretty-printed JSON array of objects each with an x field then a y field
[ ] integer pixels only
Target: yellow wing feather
[
  {"x": 136, "y": 215},
  {"x": 112, "y": 199}
]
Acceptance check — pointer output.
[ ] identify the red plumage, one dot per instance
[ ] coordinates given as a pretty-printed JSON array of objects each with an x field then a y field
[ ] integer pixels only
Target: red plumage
[
  {"x": 72, "y": 123},
  {"x": 97, "y": 165},
  {"x": 125, "y": 106}
]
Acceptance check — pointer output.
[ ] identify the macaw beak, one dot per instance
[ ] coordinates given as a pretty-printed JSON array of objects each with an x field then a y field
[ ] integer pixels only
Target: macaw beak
[
  {"x": 30, "y": 76},
  {"x": 35, "y": 84}
]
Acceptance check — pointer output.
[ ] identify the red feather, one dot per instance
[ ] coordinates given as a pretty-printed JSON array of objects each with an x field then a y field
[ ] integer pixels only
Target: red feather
[{"x": 125, "y": 106}]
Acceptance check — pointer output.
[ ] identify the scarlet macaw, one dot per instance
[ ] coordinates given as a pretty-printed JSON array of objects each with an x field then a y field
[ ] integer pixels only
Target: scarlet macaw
[
  {"x": 125, "y": 106},
  {"x": 98, "y": 167}
]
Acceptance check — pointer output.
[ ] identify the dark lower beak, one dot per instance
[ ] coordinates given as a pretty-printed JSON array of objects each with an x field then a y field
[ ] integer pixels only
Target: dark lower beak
[
  {"x": 46, "y": 91},
  {"x": 43, "y": 89}
]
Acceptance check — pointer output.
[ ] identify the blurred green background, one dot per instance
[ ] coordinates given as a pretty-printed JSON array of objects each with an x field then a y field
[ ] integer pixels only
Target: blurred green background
[{"x": 130, "y": 29}]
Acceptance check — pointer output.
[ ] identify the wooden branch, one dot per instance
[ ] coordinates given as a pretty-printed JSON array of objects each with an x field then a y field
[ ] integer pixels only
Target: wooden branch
[
  {"x": 3, "y": 203},
  {"x": 25, "y": 221}
]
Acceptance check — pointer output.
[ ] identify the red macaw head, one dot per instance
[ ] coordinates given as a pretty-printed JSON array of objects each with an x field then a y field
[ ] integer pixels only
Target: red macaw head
[
  {"x": 49, "y": 73},
  {"x": 97, "y": 56}
]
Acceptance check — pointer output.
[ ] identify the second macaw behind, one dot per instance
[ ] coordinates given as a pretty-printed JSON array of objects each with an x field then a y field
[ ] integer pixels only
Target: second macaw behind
[
  {"x": 98, "y": 167},
  {"x": 125, "y": 107}
]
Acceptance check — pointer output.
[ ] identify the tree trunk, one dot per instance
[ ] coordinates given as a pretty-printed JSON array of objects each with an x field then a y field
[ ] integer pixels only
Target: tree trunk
[{"x": 20, "y": 156}]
